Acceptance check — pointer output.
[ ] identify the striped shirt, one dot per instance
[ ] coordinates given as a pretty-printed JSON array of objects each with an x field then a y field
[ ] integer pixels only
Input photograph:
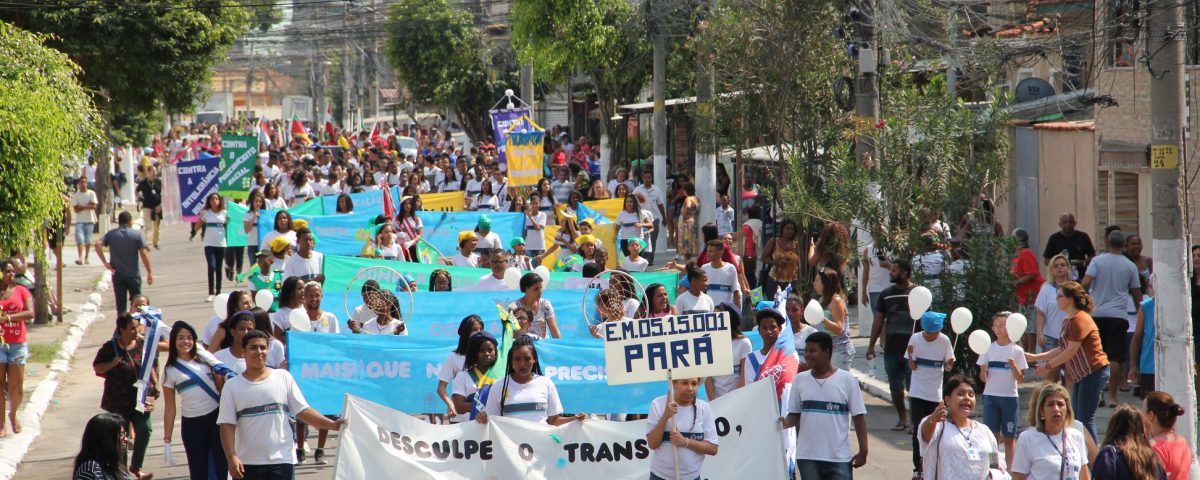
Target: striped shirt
[{"x": 1090, "y": 356}]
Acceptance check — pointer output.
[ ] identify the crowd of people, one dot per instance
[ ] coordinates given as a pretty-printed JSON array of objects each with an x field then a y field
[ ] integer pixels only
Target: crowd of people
[{"x": 1089, "y": 317}]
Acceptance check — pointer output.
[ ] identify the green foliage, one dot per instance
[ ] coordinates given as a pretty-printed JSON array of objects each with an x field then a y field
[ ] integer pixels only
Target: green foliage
[
  {"x": 983, "y": 287},
  {"x": 440, "y": 56},
  {"x": 603, "y": 39},
  {"x": 140, "y": 55},
  {"x": 136, "y": 128},
  {"x": 46, "y": 121}
]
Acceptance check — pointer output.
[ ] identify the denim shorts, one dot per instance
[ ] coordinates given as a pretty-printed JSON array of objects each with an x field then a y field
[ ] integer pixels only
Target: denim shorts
[
  {"x": 1000, "y": 414},
  {"x": 14, "y": 353},
  {"x": 897, "y": 372},
  {"x": 83, "y": 233}
]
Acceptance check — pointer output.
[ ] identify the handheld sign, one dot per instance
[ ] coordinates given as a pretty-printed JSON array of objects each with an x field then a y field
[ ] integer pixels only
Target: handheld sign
[{"x": 690, "y": 346}]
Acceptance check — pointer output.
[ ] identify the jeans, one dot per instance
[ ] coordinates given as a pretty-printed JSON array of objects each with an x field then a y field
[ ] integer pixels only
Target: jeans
[
  {"x": 1085, "y": 398},
  {"x": 278, "y": 471},
  {"x": 214, "y": 257},
  {"x": 125, "y": 288},
  {"x": 653, "y": 243},
  {"x": 202, "y": 444},
  {"x": 233, "y": 259},
  {"x": 820, "y": 470},
  {"x": 142, "y": 432}
]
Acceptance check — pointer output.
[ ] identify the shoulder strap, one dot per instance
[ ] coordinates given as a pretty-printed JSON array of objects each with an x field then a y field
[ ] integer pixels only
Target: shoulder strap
[
  {"x": 754, "y": 363},
  {"x": 197, "y": 379}
]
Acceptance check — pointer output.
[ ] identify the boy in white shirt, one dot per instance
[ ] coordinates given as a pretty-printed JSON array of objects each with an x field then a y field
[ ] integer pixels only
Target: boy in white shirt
[
  {"x": 930, "y": 354},
  {"x": 693, "y": 432},
  {"x": 1002, "y": 370},
  {"x": 634, "y": 261},
  {"x": 694, "y": 300},
  {"x": 824, "y": 401},
  {"x": 723, "y": 285},
  {"x": 306, "y": 263}
]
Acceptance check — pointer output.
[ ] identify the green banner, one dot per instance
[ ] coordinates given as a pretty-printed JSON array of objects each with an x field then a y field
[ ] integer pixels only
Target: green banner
[
  {"x": 340, "y": 269},
  {"x": 239, "y": 154},
  {"x": 235, "y": 229}
]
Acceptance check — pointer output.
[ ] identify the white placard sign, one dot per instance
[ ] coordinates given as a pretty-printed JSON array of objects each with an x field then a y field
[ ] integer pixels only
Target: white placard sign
[{"x": 690, "y": 346}]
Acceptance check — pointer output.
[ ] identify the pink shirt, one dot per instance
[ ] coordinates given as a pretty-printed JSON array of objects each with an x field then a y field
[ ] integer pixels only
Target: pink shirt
[
  {"x": 14, "y": 332},
  {"x": 1175, "y": 455}
]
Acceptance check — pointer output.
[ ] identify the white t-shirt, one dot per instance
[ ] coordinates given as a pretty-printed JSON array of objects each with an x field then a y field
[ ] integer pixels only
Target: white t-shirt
[
  {"x": 460, "y": 261},
  {"x": 722, "y": 282},
  {"x": 464, "y": 385},
  {"x": 1047, "y": 303},
  {"x": 626, "y": 223},
  {"x": 802, "y": 336},
  {"x": 534, "y": 401},
  {"x": 373, "y": 326},
  {"x": 930, "y": 265},
  {"x": 210, "y": 329},
  {"x": 362, "y": 314},
  {"x": 688, "y": 303},
  {"x": 273, "y": 234},
  {"x": 825, "y": 409},
  {"x": 84, "y": 198},
  {"x": 612, "y": 186},
  {"x": 491, "y": 240},
  {"x": 1000, "y": 380},
  {"x": 449, "y": 372},
  {"x": 305, "y": 268},
  {"x": 696, "y": 422},
  {"x": 326, "y": 323},
  {"x": 275, "y": 357},
  {"x": 260, "y": 410},
  {"x": 489, "y": 282},
  {"x": 654, "y": 199},
  {"x": 282, "y": 318},
  {"x": 880, "y": 277},
  {"x": 1040, "y": 456},
  {"x": 535, "y": 239},
  {"x": 926, "y": 383},
  {"x": 727, "y": 383},
  {"x": 955, "y": 446},
  {"x": 389, "y": 252},
  {"x": 193, "y": 400},
  {"x": 214, "y": 228},
  {"x": 724, "y": 220},
  {"x": 639, "y": 265}
]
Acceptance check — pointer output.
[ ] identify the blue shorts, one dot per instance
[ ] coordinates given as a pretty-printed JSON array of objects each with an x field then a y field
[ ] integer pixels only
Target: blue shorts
[
  {"x": 897, "y": 372},
  {"x": 14, "y": 353},
  {"x": 1000, "y": 414},
  {"x": 83, "y": 233}
]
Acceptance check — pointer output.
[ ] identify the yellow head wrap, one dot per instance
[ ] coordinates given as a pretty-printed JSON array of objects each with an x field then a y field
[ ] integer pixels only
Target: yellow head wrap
[
  {"x": 280, "y": 244},
  {"x": 298, "y": 224},
  {"x": 582, "y": 239},
  {"x": 466, "y": 235}
]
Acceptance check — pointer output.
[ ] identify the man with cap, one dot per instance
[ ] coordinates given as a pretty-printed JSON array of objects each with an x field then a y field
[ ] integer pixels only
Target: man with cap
[
  {"x": 262, "y": 276},
  {"x": 487, "y": 239},
  {"x": 466, "y": 256}
]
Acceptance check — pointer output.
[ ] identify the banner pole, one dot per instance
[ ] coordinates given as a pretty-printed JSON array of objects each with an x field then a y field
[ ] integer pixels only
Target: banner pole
[{"x": 671, "y": 398}]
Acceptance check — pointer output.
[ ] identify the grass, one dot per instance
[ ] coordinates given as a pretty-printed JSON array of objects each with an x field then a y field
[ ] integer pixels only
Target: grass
[{"x": 43, "y": 353}]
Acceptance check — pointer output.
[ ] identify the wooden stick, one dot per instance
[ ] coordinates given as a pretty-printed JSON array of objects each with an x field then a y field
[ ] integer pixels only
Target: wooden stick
[{"x": 671, "y": 398}]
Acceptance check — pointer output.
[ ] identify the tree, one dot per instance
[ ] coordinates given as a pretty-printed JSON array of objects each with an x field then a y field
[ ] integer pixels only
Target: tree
[
  {"x": 441, "y": 57},
  {"x": 47, "y": 120},
  {"x": 603, "y": 39}
]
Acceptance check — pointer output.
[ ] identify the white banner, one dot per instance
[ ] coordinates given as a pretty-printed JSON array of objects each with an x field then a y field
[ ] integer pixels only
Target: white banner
[
  {"x": 379, "y": 442},
  {"x": 690, "y": 346}
]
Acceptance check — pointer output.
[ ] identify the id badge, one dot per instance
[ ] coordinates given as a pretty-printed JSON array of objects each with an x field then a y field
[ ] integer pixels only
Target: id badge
[{"x": 973, "y": 454}]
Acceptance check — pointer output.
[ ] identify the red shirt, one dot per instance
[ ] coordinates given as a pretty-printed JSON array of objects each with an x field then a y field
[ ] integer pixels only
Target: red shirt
[
  {"x": 1026, "y": 264},
  {"x": 14, "y": 332}
]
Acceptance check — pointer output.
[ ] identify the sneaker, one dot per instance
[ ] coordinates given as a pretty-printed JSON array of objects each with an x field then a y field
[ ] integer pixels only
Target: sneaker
[
  {"x": 209, "y": 299},
  {"x": 319, "y": 457},
  {"x": 917, "y": 475},
  {"x": 299, "y": 456}
]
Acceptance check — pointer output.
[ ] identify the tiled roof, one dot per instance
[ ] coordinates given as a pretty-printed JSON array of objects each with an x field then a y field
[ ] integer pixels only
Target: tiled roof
[{"x": 1044, "y": 25}]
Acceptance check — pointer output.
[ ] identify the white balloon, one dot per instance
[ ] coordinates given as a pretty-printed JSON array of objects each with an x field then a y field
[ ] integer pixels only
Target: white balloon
[
  {"x": 919, "y": 300},
  {"x": 512, "y": 278},
  {"x": 299, "y": 320},
  {"x": 813, "y": 313},
  {"x": 1016, "y": 326},
  {"x": 543, "y": 272},
  {"x": 960, "y": 320},
  {"x": 979, "y": 341},
  {"x": 264, "y": 298},
  {"x": 220, "y": 304}
]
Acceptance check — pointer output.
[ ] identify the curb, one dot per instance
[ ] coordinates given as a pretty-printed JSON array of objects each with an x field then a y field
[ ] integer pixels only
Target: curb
[
  {"x": 16, "y": 446},
  {"x": 871, "y": 385}
]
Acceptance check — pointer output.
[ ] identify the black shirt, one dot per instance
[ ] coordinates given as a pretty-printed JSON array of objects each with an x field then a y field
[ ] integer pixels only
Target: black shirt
[
  {"x": 897, "y": 323},
  {"x": 1077, "y": 246},
  {"x": 151, "y": 192}
]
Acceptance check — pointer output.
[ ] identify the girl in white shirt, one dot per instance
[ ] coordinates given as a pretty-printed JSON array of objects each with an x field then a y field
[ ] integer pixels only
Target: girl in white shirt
[
  {"x": 633, "y": 260},
  {"x": 453, "y": 365},
  {"x": 214, "y": 217},
  {"x": 525, "y": 393},
  {"x": 535, "y": 227},
  {"x": 693, "y": 432},
  {"x": 199, "y": 395},
  {"x": 387, "y": 319},
  {"x": 486, "y": 200},
  {"x": 472, "y": 386}
]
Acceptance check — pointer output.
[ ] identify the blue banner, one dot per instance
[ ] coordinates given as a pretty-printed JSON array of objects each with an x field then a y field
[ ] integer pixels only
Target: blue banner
[
  {"x": 501, "y": 121},
  {"x": 401, "y": 372},
  {"x": 197, "y": 179},
  {"x": 336, "y": 234},
  {"x": 437, "y": 314},
  {"x": 369, "y": 203},
  {"x": 441, "y": 228}
]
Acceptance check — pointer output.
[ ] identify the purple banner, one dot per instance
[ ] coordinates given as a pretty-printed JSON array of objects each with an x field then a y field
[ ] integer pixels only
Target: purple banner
[
  {"x": 501, "y": 121},
  {"x": 197, "y": 179}
]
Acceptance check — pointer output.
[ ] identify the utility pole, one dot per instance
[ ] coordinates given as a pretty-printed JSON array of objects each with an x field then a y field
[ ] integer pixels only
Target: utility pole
[
  {"x": 706, "y": 155},
  {"x": 866, "y": 86},
  {"x": 526, "y": 79},
  {"x": 659, "y": 121},
  {"x": 249, "y": 76},
  {"x": 1173, "y": 337}
]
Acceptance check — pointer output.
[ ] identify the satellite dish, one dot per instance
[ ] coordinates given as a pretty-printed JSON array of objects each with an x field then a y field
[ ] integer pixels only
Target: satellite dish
[{"x": 1031, "y": 89}]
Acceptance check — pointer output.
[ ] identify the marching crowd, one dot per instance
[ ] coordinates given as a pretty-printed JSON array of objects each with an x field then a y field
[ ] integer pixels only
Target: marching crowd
[{"x": 1093, "y": 331}]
